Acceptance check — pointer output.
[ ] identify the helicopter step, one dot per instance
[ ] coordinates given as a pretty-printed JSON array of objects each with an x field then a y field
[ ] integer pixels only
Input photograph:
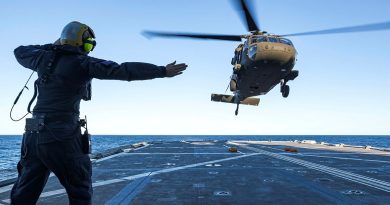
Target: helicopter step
[{"x": 230, "y": 99}]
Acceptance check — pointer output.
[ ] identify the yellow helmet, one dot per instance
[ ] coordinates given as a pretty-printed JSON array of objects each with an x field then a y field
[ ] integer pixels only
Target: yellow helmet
[{"x": 79, "y": 35}]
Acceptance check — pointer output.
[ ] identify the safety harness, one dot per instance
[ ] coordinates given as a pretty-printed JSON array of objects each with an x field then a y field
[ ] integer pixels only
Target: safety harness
[
  {"x": 42, "y": 79},
  {"x": 45, "y": 74}
]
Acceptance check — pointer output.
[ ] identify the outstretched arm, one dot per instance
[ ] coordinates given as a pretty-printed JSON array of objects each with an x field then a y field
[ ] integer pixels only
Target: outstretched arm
[{"x": 129, "y": 71}]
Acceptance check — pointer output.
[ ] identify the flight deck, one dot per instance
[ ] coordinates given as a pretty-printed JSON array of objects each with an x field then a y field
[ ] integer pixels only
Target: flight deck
[{"x": 260, "y": 172}]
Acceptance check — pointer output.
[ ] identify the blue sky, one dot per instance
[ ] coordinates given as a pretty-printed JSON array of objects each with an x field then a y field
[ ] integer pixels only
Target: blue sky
[{"x": 343, "y": 87}]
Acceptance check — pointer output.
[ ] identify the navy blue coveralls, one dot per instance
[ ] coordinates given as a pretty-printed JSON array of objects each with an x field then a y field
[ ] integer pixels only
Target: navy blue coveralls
[{"x": 57, "y": 147}]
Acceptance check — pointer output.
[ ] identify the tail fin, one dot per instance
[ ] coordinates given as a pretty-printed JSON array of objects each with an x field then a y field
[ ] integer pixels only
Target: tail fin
[{"x": 230, "y": 99}]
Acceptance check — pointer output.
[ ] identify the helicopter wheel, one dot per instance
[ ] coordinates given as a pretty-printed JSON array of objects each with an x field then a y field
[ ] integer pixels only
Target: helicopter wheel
[{"x": 285, "y": 90}]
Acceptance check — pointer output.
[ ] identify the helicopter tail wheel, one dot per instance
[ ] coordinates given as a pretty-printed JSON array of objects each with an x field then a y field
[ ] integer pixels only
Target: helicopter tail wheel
[{"x": 285, "y": 90}]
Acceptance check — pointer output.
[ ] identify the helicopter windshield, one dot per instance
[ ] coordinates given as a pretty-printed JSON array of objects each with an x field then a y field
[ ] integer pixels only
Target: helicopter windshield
[
  {"x": 285, "y": 41},
  {"x": 273, "y": 39},
  {"x": 259, "y": 39}
]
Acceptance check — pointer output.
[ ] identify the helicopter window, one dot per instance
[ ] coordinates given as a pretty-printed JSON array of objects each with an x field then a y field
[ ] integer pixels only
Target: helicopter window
[
  {"x": 259, "y": 39},
  {"x": 262, "y": 39},
  {"x": 286, "y": 41},
  {"x": 254, "y": 40},
  {"x": 272, "y": 39}
]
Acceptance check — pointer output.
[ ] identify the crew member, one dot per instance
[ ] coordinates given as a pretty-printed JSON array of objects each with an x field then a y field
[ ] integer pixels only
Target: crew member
[{"x": 53, "y": 141}]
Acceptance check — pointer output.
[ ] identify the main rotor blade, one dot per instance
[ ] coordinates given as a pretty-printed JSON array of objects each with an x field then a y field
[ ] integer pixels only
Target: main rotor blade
[
  {"x": 351, "y": 29},
  {"x": 243, "y": 7},
  {"x": 191, "y": 35}
]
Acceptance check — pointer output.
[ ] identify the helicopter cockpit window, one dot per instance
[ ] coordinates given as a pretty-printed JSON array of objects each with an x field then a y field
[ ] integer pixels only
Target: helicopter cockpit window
[
  {"x": 286, "y": 41},
  {"x": 254, "y": 40},
  {"x": 259, "y": 39},
  {"x": 273, "y": 39}
]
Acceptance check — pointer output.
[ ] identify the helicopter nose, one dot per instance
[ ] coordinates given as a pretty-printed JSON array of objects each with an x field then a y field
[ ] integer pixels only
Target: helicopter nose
[{"x": 268, "y": 51}]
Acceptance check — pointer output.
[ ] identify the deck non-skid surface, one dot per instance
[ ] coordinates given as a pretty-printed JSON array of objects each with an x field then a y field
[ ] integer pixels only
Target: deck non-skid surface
[{"x": 206, "y": 173}]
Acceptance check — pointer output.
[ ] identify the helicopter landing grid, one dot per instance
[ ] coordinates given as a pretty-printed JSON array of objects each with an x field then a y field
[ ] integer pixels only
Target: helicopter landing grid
[{"x": 259, "y": 172}]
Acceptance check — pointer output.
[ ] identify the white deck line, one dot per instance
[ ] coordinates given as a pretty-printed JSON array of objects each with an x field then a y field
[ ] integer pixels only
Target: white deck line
[
  {"x": 161, "y": 171},
  {"x": 204, "y": 147},
  {"x": 331, "y": 153},
  {"x": 346, "y": 158},
  {"x": 313, "y": 155},
  {"x": 200, "y": 164},
  {"x": 375, "y": 183},
  {"x": 6, "y": 188},
  {"x": 183, "y": 153},
  {"x": 299, "y": 161},
  {"x": 330, "y": 147},
  {"x": 119, "y": 154},
  {"x": 108, "y": 157},
  {"x": 9, "y": 187}
]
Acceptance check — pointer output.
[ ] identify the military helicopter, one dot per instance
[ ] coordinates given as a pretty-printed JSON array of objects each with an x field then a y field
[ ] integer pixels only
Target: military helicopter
[{"x": 263, "y": 60}]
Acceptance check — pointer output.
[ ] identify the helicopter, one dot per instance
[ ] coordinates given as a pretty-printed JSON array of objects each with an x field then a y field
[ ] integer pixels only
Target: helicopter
[{"x": 263, "y": 60}]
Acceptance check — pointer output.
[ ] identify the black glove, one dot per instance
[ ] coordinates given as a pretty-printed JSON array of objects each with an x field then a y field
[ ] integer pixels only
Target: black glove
[{"x": 174, "y": 69}]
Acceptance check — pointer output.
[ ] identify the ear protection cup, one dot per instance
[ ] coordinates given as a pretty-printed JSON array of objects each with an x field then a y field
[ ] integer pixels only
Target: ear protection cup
[{"x": 89, "y": 44}]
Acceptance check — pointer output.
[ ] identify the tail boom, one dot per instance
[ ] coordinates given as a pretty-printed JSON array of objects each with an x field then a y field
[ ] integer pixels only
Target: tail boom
[{"x": 230, "y": 99}]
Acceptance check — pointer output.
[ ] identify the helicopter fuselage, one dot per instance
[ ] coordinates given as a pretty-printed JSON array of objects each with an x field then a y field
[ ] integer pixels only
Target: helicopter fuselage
[
  {"x": 261, "y": 63},
  {"x": 263, "y": 60}
]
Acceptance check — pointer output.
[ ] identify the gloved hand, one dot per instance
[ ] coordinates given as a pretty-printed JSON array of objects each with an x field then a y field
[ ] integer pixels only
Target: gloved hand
[{"x": 174, "y": 69}]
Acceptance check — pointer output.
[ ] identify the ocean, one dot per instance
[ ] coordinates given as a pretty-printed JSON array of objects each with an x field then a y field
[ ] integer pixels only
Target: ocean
[{"x": 10, "y": 144}]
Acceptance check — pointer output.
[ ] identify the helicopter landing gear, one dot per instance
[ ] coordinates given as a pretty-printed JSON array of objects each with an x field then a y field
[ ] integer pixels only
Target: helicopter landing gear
[{"x": 285, "y": 89}]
